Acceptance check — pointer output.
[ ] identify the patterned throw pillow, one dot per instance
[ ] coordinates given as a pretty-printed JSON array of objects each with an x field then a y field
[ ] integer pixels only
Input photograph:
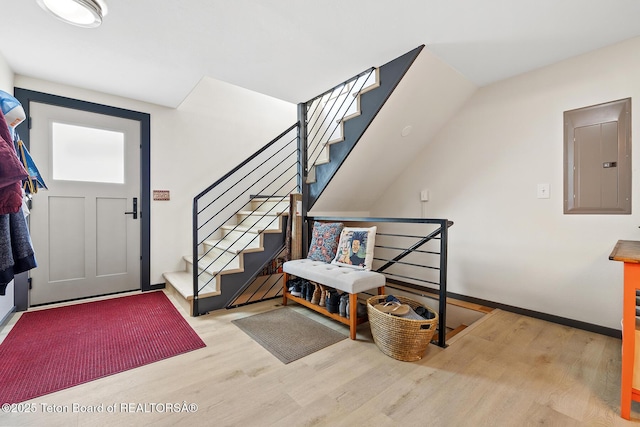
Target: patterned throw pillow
[
  {"x": 324, "y": 241},
  {"x": 356, "y": 247}
]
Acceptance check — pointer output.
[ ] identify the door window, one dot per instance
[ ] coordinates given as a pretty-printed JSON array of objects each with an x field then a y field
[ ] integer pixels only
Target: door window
[{"x": 87, "y": 154}]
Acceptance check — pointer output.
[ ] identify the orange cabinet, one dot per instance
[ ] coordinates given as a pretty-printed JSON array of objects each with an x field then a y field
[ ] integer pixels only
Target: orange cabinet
[{"x": 628, "y": 251}]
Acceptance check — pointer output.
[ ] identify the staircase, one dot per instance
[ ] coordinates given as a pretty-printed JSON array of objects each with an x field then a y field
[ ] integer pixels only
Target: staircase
[
  {"x": 302, "y": 159},
  {"x": 252, "y": 239}
]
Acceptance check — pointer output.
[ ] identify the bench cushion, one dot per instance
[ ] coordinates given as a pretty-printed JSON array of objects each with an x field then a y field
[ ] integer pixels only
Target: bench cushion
[{"x": 345, "y": 279}]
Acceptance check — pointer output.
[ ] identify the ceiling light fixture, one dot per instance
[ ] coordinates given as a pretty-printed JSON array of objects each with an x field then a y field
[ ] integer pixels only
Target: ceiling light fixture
[{"x": 83, "y": 13}]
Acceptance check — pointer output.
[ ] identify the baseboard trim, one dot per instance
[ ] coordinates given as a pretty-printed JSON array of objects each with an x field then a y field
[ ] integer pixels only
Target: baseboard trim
[
  {"x": 157, "y": 286},
  {"x": 87, "y": 298},
  {"x": 590, "y": 327},
  {"x": 7, "y": 316}
]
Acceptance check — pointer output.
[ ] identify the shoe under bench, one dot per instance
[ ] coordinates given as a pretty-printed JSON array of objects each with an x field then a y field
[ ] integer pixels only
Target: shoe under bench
[{"x": 345, "y": 279}]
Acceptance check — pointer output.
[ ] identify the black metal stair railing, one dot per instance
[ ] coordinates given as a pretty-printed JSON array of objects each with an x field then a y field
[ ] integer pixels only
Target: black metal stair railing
[
  {"x": 270, "y": 174},
  {"x": 326, "y": 112},
  {"x": 411, "y": 253},
  {"x": 268, "y": 283}
]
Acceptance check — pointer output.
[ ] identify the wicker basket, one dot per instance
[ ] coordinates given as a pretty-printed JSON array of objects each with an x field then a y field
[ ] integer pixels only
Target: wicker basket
[{"x": 397, "y": 337}]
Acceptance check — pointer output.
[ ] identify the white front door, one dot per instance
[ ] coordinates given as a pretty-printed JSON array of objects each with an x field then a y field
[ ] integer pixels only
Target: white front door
[{"x": 84, "y": 232}]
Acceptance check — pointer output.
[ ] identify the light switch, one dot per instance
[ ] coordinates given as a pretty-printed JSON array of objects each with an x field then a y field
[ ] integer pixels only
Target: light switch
[{"x": 543, "y": 191}]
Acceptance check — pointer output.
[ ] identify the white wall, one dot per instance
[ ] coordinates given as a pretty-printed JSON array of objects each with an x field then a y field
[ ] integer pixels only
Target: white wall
[
  {"x": 6, "y": 75},
  {"x": 215, "y": 128},
  {"x": 427, "y": 96},
  {"x": 6, "y": 84},
  {"x": 482, "y": 172}
]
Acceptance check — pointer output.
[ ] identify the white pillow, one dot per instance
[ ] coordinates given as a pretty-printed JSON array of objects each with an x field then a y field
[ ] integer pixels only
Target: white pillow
[{"x": 355, "y": 248}]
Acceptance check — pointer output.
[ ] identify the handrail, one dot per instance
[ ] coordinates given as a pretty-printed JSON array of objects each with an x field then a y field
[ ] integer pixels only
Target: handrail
[
  {"x": 379, "y": 219},
  {"x": 439, "y": 235},
  {"x": 368, "y": 70},
  {"x": 413, "y": 247},
  {"x": 241, "y": 179}
]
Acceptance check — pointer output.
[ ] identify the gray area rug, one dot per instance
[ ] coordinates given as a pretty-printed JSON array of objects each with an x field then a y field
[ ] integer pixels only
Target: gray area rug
[{"x": 288, "y": 335}]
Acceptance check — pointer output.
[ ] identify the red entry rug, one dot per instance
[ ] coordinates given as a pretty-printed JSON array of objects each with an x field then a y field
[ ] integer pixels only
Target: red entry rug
[{"x": 58, "y": 348}]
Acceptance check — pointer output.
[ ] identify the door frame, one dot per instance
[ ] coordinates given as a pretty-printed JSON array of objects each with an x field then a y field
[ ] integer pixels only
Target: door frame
[{"x": 25, "y": 96}]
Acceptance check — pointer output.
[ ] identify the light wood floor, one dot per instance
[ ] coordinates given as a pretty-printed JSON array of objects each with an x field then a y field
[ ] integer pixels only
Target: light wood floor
[{"x": 504, "y": 370}]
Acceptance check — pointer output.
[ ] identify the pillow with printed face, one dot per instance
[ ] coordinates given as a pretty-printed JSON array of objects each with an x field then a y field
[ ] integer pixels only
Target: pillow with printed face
[
  {"x": 356, "y": 247},
  {"x": 324, "y": 241}
]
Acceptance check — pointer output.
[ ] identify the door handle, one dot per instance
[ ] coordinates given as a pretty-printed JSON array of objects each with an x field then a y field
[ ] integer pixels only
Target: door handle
[{"x": 135, "y": 209}]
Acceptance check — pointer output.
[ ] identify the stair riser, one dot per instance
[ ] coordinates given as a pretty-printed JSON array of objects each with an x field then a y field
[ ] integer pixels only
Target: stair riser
[
  {"x": 205, "y": 278},
  {"x": 240, "y": 239},
  {"x": 213, "y": 265},
  {"x": 217, "y": 253},
  {"x": 259, "y": 221},
  {"x": 177, "y": 296},
  {"x": 269, "y": 206}
]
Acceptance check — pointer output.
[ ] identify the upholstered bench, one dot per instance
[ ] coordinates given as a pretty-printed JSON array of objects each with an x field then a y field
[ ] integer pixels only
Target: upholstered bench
[{"x": 345, "y": 279}]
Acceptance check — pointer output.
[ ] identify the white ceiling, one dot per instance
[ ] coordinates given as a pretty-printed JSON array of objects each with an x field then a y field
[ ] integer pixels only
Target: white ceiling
[{"x": 157, "y": 50}]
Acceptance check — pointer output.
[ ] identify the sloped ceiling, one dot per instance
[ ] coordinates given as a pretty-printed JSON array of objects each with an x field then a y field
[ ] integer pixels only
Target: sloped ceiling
[
  {"x": 424, "y": 100},
  {"x": 157, "y": 51}
]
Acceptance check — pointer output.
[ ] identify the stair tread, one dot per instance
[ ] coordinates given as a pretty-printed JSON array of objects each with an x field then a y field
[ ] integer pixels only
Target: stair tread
[
  {"x": 275, "y": 198},
  {"x": 251, "y": 229},
  {"x": 261, "y": 220},
  {"x": 182, "y": 282},
  {"x": 271, "y": 200},
  {"x": 234, "y": 246},
  {"x": 348, "y": 116},
  {"x": 242, "y": 228},
  {"x": 264, "y": 209},
  {"x": 260, "y": 213},
  {"x": 271, "y": 204}
]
